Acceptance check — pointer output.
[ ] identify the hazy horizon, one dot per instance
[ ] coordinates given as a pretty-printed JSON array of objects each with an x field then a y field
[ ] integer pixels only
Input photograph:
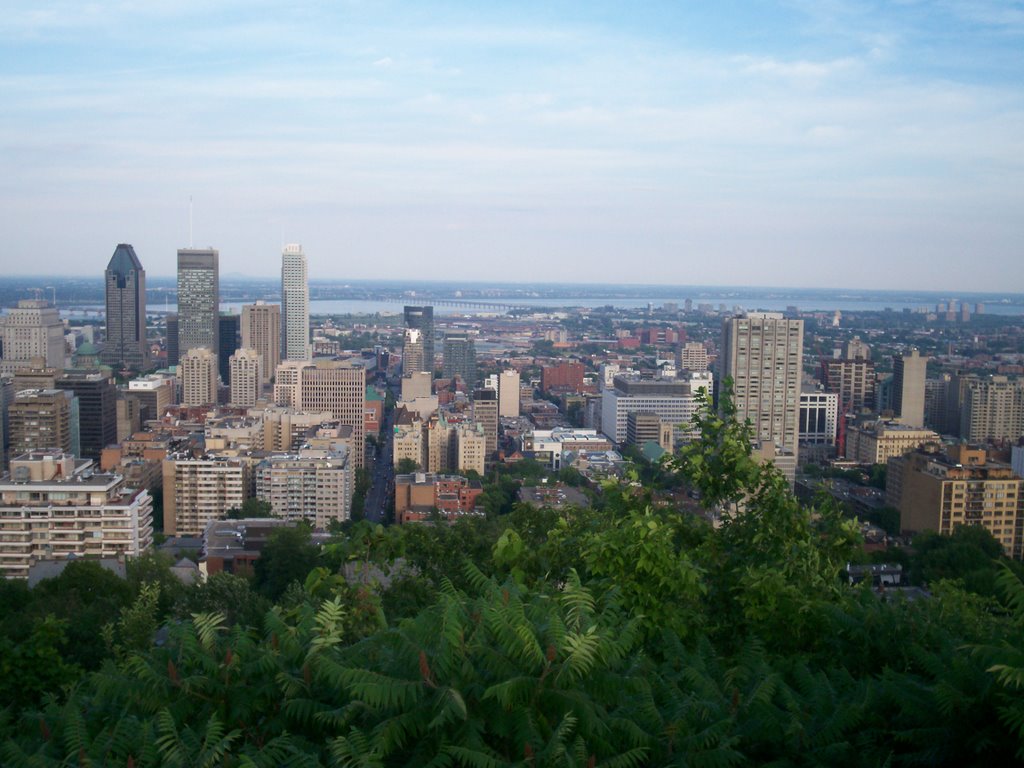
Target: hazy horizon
[{"x": 778, "y": 144}]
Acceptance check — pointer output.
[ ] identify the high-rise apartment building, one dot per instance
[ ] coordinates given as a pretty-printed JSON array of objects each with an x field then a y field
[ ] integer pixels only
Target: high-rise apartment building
[
  {"x": 508, "y": 393},
  {"x": 762, "y": 352},
  {"x": 125, "y": 280},
  {"x": 992, "y": 409},
  {"x": 32, "y": 330},
  {"x": 294, "y": 305},
  {"x": 261, "y": 330},
  {"x": 42, "y": 419},
  {"x": 246, "y": 377},
  {"x": 326, "y": 385},
  {"x": 852, "y": 380},
  {"x": 199, "y": 491},
  {"x": 198, "y": 299},
  {"x": 485, "y": 413},
  {"x": 460, "y": 357},
  {"x": 422, "y": 319},
  {"x": 692, "y": 356},
  {"x": 54, "y": 507},
  {"x": 937, "y": 491},
  {"x": 908, "y": 375},
  {"x": 198, "y": 372},
  {"x": 96, "y": 392},
  {"x": 228, "y": 342},
  {"x": 309, "y": 485}
]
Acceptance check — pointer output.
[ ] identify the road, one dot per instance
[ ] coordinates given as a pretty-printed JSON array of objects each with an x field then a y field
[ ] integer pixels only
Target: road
[{"x": 379, "y": 505}]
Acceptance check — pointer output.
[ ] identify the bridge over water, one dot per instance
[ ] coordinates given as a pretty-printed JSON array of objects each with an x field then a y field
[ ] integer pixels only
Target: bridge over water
[{"x": 461, "y": 303}]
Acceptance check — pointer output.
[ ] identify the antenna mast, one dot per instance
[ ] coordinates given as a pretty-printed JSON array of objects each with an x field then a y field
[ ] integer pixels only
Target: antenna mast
[{"x": 190, "y": 221}]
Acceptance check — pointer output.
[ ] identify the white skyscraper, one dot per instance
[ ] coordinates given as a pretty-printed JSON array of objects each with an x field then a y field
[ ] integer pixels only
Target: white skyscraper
[{"x": 294, "y": 305}]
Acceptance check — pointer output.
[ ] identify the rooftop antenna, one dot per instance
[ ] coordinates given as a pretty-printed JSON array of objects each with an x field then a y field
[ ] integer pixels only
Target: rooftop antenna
[{"x": 190, "y": 221}]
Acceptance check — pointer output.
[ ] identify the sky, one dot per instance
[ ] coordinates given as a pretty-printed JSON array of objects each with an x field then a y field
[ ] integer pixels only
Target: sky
[{"x": 810, "y": 143}]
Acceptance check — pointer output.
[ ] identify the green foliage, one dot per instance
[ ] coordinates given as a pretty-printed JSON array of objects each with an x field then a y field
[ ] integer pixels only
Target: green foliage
[
  {"x": 970, "y": 554},
  {"x": 287, "y": 556},
  {"x": 251, "y": 508},
  {"x": 406, "y": 466}
]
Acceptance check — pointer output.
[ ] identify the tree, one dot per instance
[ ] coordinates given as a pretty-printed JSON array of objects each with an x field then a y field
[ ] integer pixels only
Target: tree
[
  {"x": 406, "y": 466},
  {"x": 287, "y": 557},
  {"x": 252, "y": 508}
]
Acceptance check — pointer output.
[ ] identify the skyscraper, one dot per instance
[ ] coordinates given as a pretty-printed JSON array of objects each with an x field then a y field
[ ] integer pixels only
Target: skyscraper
[
  {"x": 908, "y": 375},
  {"x": 460, "y": 357},
  {"x": 228, "y": 337},
  {"x": 198, "y": 372},
  {"x": 294, "y": 305},
  {"x": 198, "y": 299},
  {"x": 422, "y": 319},
  {"x": 261, "y": 330},
  {"x": 763, "y": 354},
  {"x": 125, "y": 280},
  {"x": 97, "y": 408},
  {"x": 413, "y": 358}
]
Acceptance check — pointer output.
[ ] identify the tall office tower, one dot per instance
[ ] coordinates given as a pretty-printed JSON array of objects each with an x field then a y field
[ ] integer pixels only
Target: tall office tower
[
  {"x": 326, "y": 386},
  {"x": 413, "y": 356},
  {"x": 198, "y": 372},
  {"x": 246, "y": 377},
  {"x": 41, "y": 419},
  {"x": 261, "y": 330},
  {"x": 96, "y": 391},
  {"x": 460, "y": 357},
  {"x": 198, "y": 299},
  {"x": 294, "y": 305},
  {"x": 33, "y": 329},
  {"x": 508, "y": 393},
  {"x": 422, "y": 319},
  {"x": 228, "y": 338},
  {"x": 908, "y": 375},
  {"x": 763, "y": 354},
  {"x": 125, "y": 278},
  {"x": 485, "y": 413},
  {"x": 173, "y": 352}
]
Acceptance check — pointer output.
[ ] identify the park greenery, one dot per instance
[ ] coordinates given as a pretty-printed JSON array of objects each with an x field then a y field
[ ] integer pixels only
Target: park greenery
[{"x": 626, "y": 634}]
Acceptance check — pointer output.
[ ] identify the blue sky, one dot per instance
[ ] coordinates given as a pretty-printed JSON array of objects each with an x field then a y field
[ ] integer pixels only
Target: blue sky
[{"x": 797, "y": 143}]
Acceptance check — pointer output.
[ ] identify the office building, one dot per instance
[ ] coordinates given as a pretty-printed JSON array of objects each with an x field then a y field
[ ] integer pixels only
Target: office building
[
  {"x": 54, "y": 507},
  {"x": 326, "y": 385},
  {"x": 485, "y": 413},
  {"x": 155, "y": 394},
  {"x": 198, "y": 491},
  {"x": 508, "y": 394},
  {"x": 908, "y": 375},
  {"x": 762, "y": 352},
  {"x": 198, "y": 300},
  {"x": 645, "y": 427},
  {"x": 198, "y": 374},
  {"x": 294, "y": 305},
  {"x": 29, "y": 331},
  {"x": 228, "y": 340},
  {"x": 551, "y": 447},
  {"x": 246, "y": 377},
  {"x": 876, "y": 442},
  {"x": 459, "y": 357},
  {"x": 818, "y": 424},
  {"x": 416, "y": 384},
  {"x": 413, "y": 355},
  {"x": 674, "y": 401},
  {"x": 421, "y": 319},
  {"x": 125, "y": 345},
  {"x": 173, "y": 353},
  {"x": 43, "y": 420},
  {"x": 96, "y": 393},
  {"x": 261, "y": 330},
  {"x": 310, "y": 485},
  {"x": 938, "y": 491}
]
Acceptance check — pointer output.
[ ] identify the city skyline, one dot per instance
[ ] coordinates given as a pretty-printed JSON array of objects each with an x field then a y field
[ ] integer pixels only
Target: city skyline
[{"x": 803, "y": 144}]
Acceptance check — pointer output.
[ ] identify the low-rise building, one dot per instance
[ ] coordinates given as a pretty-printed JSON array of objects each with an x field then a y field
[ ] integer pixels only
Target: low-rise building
[
  {"x": 550, "y": 446},
  {"x": 419, "y": 496}
]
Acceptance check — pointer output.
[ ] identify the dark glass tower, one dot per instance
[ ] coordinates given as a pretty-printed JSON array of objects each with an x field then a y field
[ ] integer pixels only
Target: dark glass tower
[
  {"x": 460, "y": 357},
  {"x": 229, "y": 329},
  {"x": 125, "y": 280}
]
